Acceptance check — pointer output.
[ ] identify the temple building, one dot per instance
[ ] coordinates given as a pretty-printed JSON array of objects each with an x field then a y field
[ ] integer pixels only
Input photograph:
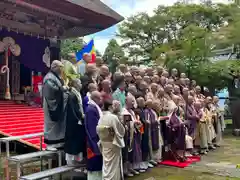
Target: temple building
[
  {"x": 229, "y": 53},
  {"x": 31, "y": 32}
]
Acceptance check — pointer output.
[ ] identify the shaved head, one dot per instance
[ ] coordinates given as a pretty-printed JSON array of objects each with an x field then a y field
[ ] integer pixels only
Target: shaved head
[
  {"x": 130, "y": 102},
  {"x": 106, "y": 85},
  {"x": 96, "y": 97},
  {"x": 149, "y": 103},
  {"x": 92, "y": 87},
  {"x": 91, "y": 68}
]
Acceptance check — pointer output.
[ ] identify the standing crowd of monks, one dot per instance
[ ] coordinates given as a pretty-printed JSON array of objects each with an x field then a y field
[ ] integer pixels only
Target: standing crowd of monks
[{"x": 124, "y": 123}]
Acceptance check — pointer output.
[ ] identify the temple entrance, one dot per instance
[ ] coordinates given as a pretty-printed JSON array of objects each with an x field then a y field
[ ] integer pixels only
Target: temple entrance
[
  {"x": 20, "y": 77},
  {"x": 2, "y": 78},
  {"x": 25, "y": 77},
  {"x": 14, "y": 66}
]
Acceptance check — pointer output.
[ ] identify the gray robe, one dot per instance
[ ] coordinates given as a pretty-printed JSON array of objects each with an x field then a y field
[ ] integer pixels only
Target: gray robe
[{"x": 54, "y": 106}]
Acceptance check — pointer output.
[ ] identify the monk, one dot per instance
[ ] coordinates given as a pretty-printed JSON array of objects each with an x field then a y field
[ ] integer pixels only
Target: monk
[
  {"x": 151, "y": 116},
  {"x": 176, "y": 134},
  {"x": 119, "y": 94},
  {"x": 128, "y": 79},
  {"x": 162, "y": 81},
  {"x": 155, "y": 79},
  {"x": 142, "y": 72},
  {"x": 87, "y": 78},
  {"x": 123, "y": 69},
  {"x": 174, "y": 74},
  {"x": 132, "y": 92},
  {"x": 111, "y": 134},
  {"x": 147, "y": 79},
  {"x": 165, "y": 74},
  {"x": 211, "y": 134},
  {"x": 106, "y": 89},
  {"x": 160, "y": 70},
  {"x": 199, "y": 96},
  {"x": 157, "y": 154},
  {"x": 55, "y": 97},
  {"x": 140, "y": 111},
  {"x": 183, "y": 75},
  {"x": 91, "y": 87},
  {"x": 153, "y": 93},
  {"x": 94, "y": 156},
  {"x": 103, "y": 74},
  {"x": 201, "y": 135},
  {"x": 132, "y": 151},
  {"x": 192, "y": 116},
  {"x": 75, "y": 142},
  {"x": 219, "y": 121}
]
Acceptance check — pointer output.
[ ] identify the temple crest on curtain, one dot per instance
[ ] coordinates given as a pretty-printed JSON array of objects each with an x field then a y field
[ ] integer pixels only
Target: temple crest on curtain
[{"x": 46, "y": 57}]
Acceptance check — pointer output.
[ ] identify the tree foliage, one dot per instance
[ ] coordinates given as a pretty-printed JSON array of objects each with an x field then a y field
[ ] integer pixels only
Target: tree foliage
[
  {"x": 114, "y": 55},
  {"x": 69, "y": 46},
  {"x": 184, "y": 36}
]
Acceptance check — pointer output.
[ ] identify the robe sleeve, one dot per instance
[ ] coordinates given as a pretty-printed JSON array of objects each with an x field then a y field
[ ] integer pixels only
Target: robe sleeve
[
  {"x": 76, "y": 108},
  {"x": 222, "y": 122},
  {"x": 149, "y": 96},
  {"x": 53, "y": 95},
  {"x": 115, "y": 96},
  {"x": 85, "y": 104},
  {"x": 91, "y": 122},
  {"x": 189, "y": 115},
  {"x": 119, "y": 131},
  {"x": 118, "y": 128}
]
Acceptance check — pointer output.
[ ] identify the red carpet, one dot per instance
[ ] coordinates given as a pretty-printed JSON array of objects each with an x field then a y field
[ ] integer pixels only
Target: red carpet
[
  {"x": 189, "y": 161},
  {"x": 17, "y": 120}
]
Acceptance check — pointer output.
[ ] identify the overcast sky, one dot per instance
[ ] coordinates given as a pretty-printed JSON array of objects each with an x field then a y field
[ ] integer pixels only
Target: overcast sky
[{"x": 127, "y": 8}]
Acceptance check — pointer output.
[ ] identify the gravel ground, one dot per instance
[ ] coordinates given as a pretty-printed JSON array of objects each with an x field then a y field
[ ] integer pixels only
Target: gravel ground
[{"x": 217, "y": 165}]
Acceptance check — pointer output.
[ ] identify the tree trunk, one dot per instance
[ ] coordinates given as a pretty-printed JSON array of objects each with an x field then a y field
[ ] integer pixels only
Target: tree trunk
[{"x": 235, "y": 109}]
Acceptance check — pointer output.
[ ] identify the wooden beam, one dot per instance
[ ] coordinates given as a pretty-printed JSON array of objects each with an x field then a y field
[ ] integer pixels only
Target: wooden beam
[
  {"x": 44, "y": 10},
  {"x": 24, "y": 28}
]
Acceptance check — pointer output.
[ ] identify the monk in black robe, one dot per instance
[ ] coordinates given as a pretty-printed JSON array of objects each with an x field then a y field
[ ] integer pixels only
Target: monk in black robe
[{"x": 75, "y": 136}]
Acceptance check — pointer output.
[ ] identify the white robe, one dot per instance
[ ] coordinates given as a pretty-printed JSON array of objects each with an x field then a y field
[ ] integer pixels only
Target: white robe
[{"x": 111, "y": 134}]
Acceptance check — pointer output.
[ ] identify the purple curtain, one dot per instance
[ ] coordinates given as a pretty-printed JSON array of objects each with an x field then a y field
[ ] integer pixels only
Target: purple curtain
[{"x": 32, "y": 50}]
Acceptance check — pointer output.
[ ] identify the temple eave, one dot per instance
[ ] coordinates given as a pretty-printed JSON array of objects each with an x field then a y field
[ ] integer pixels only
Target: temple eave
[{"x": 52, "y": 18}]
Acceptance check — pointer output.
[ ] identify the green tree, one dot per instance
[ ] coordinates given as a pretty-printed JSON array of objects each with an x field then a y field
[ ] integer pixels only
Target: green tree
[
  {"x": 145, "y": 33},
  {"x": 69, "y": 46},
  {"x": 113, "y": 55},
  {"x": 184, "y": 36},
  {"x": 98, "y": 53}
]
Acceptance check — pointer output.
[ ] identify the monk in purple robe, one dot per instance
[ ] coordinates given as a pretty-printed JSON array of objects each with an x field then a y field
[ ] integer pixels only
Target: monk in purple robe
[
  {"x": 151, "y": 117},
  {"x": 94, "y": 156},
  {"x": 192, "y": 117},
  {"x": 132, "y": 151},
  {"x": 176, "y": 135}
]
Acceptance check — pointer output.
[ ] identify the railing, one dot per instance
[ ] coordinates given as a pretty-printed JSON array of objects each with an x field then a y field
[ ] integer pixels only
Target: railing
[{"x": 7, "y": 141}]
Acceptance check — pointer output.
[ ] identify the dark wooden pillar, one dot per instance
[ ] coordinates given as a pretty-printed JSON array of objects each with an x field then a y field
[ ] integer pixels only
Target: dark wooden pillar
[
  {"x": 3, "y": 78},
  {"x": 55, "y": 49}
]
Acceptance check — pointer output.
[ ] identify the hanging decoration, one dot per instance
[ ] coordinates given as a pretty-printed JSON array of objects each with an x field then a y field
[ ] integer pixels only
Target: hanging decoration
[
  {"x": 2, "y": 47},
  {"x": 46, "y": 57},
  {"x": 9, "y": 47}
]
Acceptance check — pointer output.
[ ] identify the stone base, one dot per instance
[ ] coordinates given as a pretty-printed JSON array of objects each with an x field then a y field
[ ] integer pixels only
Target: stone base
[{"x": 236, "y": 132}]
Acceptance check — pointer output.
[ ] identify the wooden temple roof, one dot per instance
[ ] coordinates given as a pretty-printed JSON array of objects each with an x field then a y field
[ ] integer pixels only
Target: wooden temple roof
[{"x": 57, "y": 18}]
